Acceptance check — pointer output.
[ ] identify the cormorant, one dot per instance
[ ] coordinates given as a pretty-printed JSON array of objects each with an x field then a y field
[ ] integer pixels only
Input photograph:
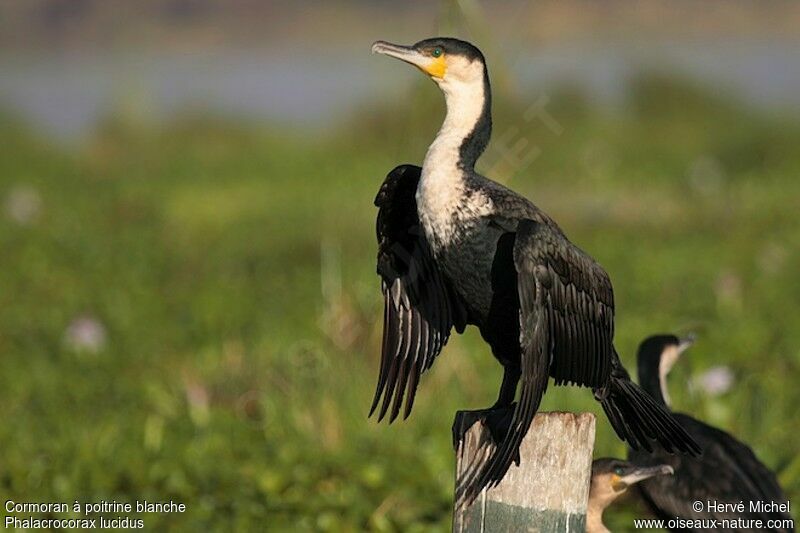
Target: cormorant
[
  {"x": 727, "y": 473},
  {"x": 610, "y": 479},
  {"x": 456, "y": 248}
]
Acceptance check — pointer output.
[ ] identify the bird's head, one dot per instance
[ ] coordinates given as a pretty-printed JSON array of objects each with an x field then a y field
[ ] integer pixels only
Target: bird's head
[
  {"x": 459, "y": 69},
  {"x": 612, "y": 477},
  {"x": 660, "y": 352},
  {"x": 449, "y": 62}
]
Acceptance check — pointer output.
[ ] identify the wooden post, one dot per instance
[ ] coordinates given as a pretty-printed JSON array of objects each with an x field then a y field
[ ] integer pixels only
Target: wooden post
[{"x": 548, "y": 492}]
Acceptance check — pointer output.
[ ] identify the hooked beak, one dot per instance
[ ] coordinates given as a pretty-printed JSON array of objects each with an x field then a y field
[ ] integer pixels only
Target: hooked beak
[
  {"x": 640, "y": 473},
  {"x": 433, "y": 67},
  {"x": 404, "y": 53}
]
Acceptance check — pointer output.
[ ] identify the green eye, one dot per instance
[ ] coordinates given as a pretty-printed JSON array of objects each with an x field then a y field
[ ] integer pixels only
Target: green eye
[
  {"x": 437, "y": 52},
  {"x": 619, "y": 471}
]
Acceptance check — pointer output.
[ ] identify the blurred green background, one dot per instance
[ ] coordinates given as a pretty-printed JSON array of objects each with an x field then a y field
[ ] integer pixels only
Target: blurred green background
[{"x": 188, "y": 302}]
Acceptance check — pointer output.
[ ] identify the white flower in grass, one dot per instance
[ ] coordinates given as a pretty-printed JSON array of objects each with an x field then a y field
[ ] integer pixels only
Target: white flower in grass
[
  {"x": 715, "y": 381},
  {"x": 23, "y": 205},
  {"x": 86, "y": 334}
]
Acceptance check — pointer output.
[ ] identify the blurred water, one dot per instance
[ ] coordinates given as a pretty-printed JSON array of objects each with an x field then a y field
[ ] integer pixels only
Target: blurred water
[
  {"x": 765, "y": 73},
  {"x": 64, "y": 95}
]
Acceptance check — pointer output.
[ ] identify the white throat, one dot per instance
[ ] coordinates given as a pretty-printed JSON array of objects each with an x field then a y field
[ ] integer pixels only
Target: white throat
[
  {"x": 441, "y": 186},
  {"x": 665, "y": 364}
]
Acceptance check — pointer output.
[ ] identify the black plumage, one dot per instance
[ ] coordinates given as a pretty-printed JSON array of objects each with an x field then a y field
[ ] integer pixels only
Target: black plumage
[
  {"x": 456, "y": 248},
  {"x": 728, "y": 472},
  {"x": 420, "y": 308}
]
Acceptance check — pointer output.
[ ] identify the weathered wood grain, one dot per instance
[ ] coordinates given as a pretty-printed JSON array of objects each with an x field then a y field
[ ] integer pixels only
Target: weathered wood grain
[{"x": 548, "y": 492}]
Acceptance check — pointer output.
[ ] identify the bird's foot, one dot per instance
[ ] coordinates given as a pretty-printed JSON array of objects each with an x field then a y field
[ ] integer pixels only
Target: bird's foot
[
  {"x": 496, "y": 419},
  {"x": 463, "y": 421}
]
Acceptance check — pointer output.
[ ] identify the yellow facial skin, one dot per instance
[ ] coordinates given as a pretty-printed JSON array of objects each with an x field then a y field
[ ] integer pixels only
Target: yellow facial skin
[
  {"x": 617, "y": 484},
  {"x": 436, "y": 68}
]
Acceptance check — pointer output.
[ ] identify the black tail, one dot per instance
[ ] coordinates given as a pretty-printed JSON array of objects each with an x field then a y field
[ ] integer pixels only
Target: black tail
[{"x": 638, "y": 419}]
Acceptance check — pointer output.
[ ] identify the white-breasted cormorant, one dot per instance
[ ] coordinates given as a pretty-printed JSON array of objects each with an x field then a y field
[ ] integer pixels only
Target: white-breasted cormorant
[
  {"x": 728, "y": 471},
  {"x": 456, "y": 248},
  {"x": 610, "y": 479}
]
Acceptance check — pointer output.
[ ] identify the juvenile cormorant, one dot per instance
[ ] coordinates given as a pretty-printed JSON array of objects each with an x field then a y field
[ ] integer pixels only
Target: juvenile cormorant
[
  {"x": 727, "y": 473},
  {"x": 456, "y": 248},
  {"x": 610, "y": 479}
]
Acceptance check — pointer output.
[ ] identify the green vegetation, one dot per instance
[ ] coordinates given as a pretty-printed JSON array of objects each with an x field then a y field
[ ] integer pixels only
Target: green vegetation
[{"x": 233, "y": 270}]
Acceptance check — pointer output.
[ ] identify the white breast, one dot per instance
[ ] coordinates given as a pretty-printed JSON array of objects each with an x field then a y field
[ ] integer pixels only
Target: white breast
[
  {"x": 440, "y": 194},
  {"x": 447, "y": 208}
]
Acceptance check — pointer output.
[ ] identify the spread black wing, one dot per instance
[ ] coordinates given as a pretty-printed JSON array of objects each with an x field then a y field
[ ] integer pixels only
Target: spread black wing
[
  {"x": 566, "y": 330},
  {"x": 420, "y": 309}
]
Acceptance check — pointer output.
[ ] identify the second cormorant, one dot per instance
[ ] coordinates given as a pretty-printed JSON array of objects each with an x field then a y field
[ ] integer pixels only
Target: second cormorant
[
  {"x": 611, "y": 478},
  {"x": 728, "y": 480}
]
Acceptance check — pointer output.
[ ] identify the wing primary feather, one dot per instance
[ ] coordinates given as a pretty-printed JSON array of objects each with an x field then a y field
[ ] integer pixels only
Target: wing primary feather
[
  {"x": 409, "y": 363},
  {"x": 391, "y": 379},
  {"x": 388, "y": 331},
  {"x": 411, "y": 345},
  {"x": 419, "y": 308}
]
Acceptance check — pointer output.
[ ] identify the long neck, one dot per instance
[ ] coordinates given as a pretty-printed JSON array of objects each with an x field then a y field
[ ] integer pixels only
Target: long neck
[
  {"x": 594, "y": 520},
  {"x": 653, "y": 379},
  {"x": 467, "y": 126}
]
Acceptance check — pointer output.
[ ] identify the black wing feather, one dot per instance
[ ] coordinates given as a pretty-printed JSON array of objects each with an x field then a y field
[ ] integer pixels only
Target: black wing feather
[
  {"x": 579, "y": 299},
  {"x": 420, "y": 309}
]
